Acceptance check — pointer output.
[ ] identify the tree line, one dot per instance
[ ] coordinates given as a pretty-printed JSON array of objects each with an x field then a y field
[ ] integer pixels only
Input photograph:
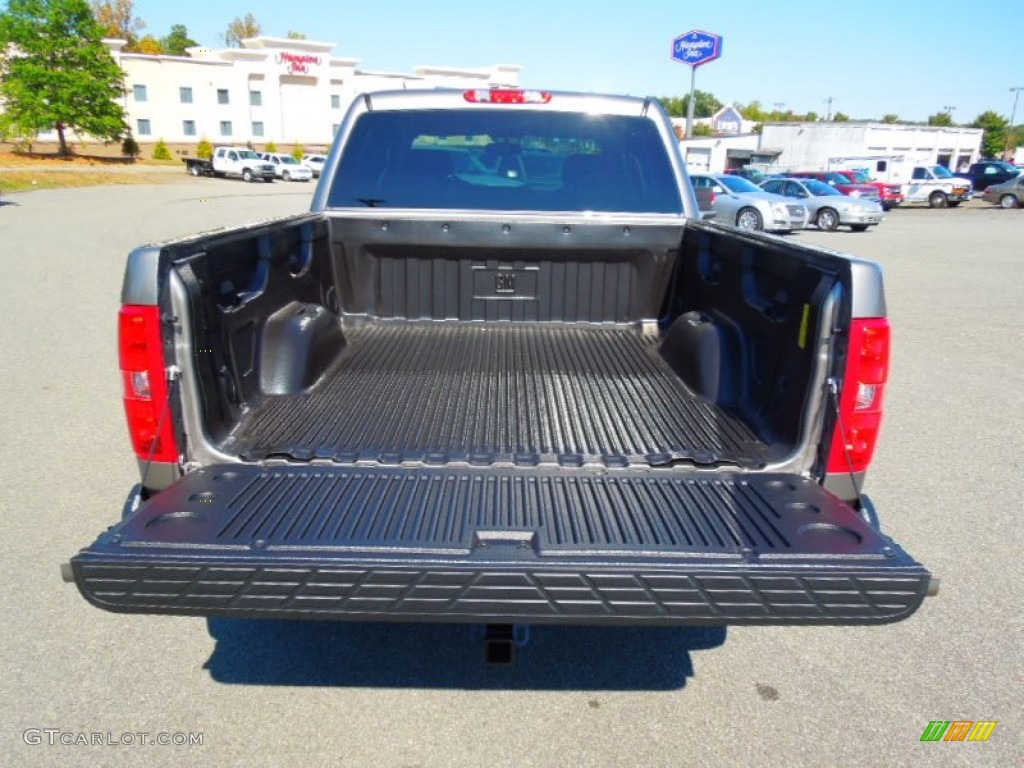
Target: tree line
[
  {"x": 998, "y": 133},
  {"x": 118, "y": 19},
  {"x": 62, "y": 77}
]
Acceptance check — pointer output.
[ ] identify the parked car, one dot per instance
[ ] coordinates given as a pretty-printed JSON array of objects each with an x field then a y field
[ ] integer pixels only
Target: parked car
[
  {"x": 984, "y": 174},
  {"x": 841, "y": 182},
  {"x": 890, "y": 195},
  {"x": 741, "y": 203},
  {"x": 287, "y": 167},
  {"x": 1009, "y": 194},
  {"x": 827, "y": 206},
  {"x": 316, "y": 162},
  {"x": 750, "y": 174},
  {"x": 231, "y": 161}
]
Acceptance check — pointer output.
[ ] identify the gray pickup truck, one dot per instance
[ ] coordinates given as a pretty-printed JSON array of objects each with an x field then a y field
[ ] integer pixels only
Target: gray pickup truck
[{"x": 502, "y": 373}]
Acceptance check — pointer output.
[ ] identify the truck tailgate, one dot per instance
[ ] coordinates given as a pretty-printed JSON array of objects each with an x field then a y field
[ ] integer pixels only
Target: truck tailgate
[{"x": 556, "y": 545}]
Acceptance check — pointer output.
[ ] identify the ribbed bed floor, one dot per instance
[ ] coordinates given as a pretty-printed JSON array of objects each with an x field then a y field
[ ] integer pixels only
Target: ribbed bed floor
[{"x": 486, "y": 393}]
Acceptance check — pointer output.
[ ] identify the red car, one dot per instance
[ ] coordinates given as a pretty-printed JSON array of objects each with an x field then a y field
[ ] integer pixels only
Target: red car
[{"x": 890, "y": 195}]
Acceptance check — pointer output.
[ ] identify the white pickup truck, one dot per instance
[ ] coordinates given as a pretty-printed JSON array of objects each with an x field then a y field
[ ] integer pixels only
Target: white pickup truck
[
  {"x": 937, "y": 186},
  {"x": 231, "y": 161}
]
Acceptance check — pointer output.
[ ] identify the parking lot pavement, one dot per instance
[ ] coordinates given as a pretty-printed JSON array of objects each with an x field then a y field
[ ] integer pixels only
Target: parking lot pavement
[{"x": 948, "y": 482}]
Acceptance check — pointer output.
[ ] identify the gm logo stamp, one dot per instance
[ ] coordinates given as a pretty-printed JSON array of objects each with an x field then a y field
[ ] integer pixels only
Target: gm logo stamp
[{"x": 504, "y": 281}]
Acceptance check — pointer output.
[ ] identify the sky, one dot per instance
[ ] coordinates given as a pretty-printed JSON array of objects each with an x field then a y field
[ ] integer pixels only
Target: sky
[{"x": 911, "y": 58}]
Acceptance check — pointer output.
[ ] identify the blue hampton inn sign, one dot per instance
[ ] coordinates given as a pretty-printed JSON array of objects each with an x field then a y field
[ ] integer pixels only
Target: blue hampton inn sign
[{"x": 696, "y": 47}]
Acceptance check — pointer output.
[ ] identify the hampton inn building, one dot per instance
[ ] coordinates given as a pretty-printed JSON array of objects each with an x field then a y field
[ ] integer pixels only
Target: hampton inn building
[{"x": 270, "y": 89}]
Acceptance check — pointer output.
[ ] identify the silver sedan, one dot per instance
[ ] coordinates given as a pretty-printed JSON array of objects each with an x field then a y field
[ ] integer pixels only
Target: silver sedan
[
  {"x": 828, "y": 207},
  {"x": 741, "y": 203}
]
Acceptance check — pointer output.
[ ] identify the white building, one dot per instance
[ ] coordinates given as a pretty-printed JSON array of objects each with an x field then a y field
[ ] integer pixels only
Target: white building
[
  {"x": 270, "y": 89},
  {"x": 887, "y": 150},
  {"x": 715, "y": 154}
]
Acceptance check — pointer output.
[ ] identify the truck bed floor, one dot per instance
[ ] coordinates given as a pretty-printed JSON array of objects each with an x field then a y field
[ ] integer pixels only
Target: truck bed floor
[{"x": 485, "y": 393}]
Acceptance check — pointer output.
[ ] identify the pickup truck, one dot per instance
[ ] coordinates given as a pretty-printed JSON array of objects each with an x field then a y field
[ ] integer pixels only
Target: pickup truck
[
  {"x": 936, "y": 186},
  {"x": 889, "y": 195},
  {"x": 231, "y": 161},
  {"x": 502, "y": 373}
]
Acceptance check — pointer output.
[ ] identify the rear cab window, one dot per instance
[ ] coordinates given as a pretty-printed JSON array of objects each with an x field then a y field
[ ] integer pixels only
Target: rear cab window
[{"x": 487, "y": 159}]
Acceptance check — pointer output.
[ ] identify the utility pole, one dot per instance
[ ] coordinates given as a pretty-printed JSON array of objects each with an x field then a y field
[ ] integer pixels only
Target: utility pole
[
  {"x": 1013, "y": 116},
  {"x": 828, "y": 112},
  {"x": 949, "y": 111}
]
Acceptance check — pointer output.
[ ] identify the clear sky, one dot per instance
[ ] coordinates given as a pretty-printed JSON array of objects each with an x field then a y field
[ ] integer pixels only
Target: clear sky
[{"x": 908, "y": 57}]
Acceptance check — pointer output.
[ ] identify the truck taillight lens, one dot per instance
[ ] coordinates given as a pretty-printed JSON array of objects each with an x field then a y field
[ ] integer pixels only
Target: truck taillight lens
[
  {"x": 860, "y": 400},
  {"x": 145, "y": 385},
  {"x": 506, "y": 96}
]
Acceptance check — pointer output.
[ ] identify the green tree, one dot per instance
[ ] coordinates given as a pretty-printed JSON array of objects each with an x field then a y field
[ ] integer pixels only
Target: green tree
[
  {"x": 293, "y": 35},
  {"x": 271, "y": 146},
  {"x": 204, "y": 149},
  {"x": 840, "y": 117},
  {"x": 241, "y": 28},
  {"x": 703, "y": 129},
  {"x": 177, "y": 40},
  {"x": 118, "y": 19},
  {"x": 161, "y": 152},
  {"x": 753, "y": 111},
  {"x": 704, "y": 104},
  {"x": 890, "y": 118},
  {"x": 63, "y": 78},
  {"x": 941, "y": 119},
  {"x": 811, "y": 117},
  {"x": 993, "y": 140}
]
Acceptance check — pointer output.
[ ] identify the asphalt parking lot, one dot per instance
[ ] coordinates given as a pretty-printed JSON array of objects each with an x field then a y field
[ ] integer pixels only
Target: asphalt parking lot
[{"x": 948, "y": 481}]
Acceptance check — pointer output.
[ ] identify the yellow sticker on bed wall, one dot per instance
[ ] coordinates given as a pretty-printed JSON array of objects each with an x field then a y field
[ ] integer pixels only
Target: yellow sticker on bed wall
[{"x": 803, "y": 326}]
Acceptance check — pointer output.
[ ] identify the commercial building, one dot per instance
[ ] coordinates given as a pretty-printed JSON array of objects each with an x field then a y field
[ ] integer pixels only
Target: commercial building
[
  {"x": 888, "y": 150},
  {"x": 270, "y": 89}
]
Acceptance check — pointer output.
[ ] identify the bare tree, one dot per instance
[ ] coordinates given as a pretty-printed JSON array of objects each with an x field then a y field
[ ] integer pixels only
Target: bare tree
[
  {"x": 118, "y": 19},
  {"x": 241, "y": 28}
]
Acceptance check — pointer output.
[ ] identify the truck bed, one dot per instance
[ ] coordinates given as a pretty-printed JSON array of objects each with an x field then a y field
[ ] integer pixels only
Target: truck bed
[{"x": 487, "y": 393}]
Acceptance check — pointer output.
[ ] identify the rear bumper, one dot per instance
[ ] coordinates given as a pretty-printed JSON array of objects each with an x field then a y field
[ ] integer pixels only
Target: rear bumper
[
  {"x": 586, "y": 593},
  {"x": 500, "y": 546}
]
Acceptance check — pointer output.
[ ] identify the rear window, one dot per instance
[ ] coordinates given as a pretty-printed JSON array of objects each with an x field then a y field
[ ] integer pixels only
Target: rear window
[{"x": 505, "y": 160}]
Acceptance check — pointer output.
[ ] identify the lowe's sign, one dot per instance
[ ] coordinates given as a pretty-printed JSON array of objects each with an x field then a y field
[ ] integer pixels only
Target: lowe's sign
[{"x": 696, "y": 48}]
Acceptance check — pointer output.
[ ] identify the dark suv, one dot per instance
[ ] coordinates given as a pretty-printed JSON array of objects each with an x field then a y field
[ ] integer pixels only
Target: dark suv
[
  {"x": 988, "y": 172},
  {"x": 842, "y": 183}
]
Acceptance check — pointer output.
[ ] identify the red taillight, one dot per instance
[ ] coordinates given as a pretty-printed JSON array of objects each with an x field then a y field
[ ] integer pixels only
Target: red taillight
[
  {"x": 506, "y": 96},
  {"x": 145, "y": 385},
  {"x": 860, "y": 401}
]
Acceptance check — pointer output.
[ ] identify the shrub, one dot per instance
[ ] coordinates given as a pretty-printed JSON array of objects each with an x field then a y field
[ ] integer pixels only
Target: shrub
[
  {"x": 271, "y": 147},
  {"x": 161, "y": 152},
  {"x": 204, "y": 149},
  {"x": 130, "y": 147},
  {"x": 297, "y": 152}
]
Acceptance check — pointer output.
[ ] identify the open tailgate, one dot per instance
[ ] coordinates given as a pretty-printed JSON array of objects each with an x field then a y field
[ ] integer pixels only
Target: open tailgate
[{"x": 555, "y": 545}]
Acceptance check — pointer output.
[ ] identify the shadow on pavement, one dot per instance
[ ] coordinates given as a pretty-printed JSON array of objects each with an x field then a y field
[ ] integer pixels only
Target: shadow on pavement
[{"x": 252, "y": 652}]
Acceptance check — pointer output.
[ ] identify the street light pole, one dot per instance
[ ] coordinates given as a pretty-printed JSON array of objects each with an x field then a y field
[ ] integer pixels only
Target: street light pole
[{"x": 1013, "y": 116}]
